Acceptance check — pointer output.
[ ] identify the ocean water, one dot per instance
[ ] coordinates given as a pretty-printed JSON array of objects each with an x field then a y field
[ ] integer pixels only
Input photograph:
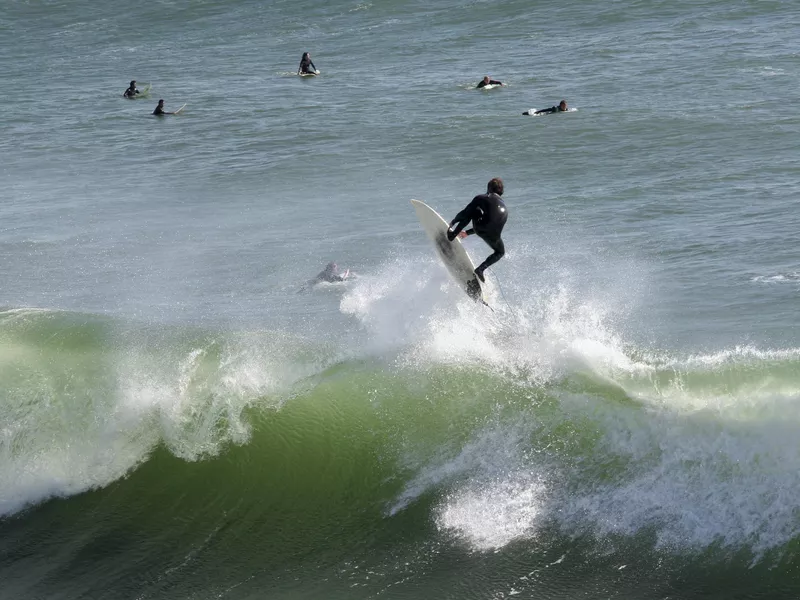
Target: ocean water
[{"x": 183, "y": 416}]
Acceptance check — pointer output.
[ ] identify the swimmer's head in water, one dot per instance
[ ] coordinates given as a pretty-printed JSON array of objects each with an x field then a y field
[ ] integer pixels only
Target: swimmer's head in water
[
  {"x": 133, "y": 83},
  {"x": 486, "y": 79},
  {"x": 495, "y": 186},
  {"x": 331, "y": 267},
  {"x": 562, "y": 105},
  {"x": 160, "y": 102}
]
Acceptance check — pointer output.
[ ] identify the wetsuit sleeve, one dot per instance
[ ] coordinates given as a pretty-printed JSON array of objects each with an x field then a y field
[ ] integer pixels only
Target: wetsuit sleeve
[
  {"x": 462, "y": 218},
  {"x": 312, "y": 65},
  {"x": 469, "y": 231},
  {"x": 481, "y": 84},
  {"x": 552, "y": 109},
  {"x": 496, "y": 82}
]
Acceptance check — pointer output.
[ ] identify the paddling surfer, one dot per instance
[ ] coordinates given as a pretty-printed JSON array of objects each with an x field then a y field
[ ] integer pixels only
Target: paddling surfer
[
  {"x": 488, "y": 214},
  {"x": 562, "y": 107},
  {"x": 487, "y": 81},
  {"x": 331, "y": 274}
]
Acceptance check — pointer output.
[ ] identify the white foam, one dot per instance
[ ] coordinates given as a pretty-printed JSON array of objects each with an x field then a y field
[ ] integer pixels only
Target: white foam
[
  {"x": 60, "y": 441},
  {"x": 490, "y": 515}
]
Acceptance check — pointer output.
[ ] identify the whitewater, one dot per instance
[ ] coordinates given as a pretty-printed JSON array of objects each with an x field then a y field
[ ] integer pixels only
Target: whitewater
[{"x": 184, "y": 415}]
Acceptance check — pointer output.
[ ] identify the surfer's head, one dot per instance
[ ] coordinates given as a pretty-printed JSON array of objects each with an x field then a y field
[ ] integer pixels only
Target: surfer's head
[
  {"x": 305, "y": 55},
  {"x": 495, "y": 186},
  {"x": 562, "y": 105},
  {"x": 486, "y": 79},
  {"x": 161, "y": 103},
  {"x": 133, "y": 83},
  {"x": 331, "y": 267}
]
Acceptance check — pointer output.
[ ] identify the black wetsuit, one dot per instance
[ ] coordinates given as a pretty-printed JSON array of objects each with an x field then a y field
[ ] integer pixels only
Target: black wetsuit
[
  {"x": 304, "y": 64},
  {"x": 330, "y": 275},
  {"x": 547, "y": 111},
  {"x": 488, "y": 214},
  {"x": 490, "y": 82},
  {"x": 159, "y": 111},
  {"x": 130, "y": 92}
]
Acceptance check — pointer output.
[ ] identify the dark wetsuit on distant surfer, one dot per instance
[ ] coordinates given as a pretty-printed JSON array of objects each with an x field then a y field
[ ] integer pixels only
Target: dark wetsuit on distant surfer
[
  {"x": 488, "y": 214},
  {"x": 131, "y": 91},
  {"x": 486, "y": 81},
  {"x": 160, "y": 109},
  {"x": 306, "y": 66},
  {"x": 331, "y": 274},
  {"x": 562, "y": 107}
]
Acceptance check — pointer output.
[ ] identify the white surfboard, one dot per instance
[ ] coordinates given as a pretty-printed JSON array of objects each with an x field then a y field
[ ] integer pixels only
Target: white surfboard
[
  {"x": 309, "y": 74},
  {"x": 452, "y": 254},
  {"x": 177, "y": 112}
]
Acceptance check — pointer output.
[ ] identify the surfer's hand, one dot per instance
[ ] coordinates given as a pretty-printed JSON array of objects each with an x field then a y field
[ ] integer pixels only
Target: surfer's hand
[{"x": 462, "y": 234}]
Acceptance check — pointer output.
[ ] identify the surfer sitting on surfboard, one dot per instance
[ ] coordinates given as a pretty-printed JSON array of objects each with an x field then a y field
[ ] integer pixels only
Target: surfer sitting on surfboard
[
  {"x": 306, "y": 66},
  {"x": 159, "y": 111},
  {"x": 562, "y": 107},
  {"x": 488, "y": 215},
  {"x": 486, "y": 81},
  {"x": 131, "y": 91}
]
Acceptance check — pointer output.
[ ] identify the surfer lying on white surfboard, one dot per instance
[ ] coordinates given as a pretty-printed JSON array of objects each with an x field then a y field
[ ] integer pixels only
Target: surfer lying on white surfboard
[
  {"x": 488, "y": 81},
  {"x": 331, "y": 274},
  {"x": 562, "y": 107},
  {"x": 488, "y": 214}
]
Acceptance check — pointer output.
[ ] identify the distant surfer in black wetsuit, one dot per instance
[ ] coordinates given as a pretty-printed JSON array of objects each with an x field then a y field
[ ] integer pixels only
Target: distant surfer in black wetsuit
[
  {"x": 131, "y": 91},
  {"x": 330, "y": 274},
  {"x": 306, "y": 66},
  {"x": 562, "y": 107},
  {"x": 159, "y": 111},
  {"x": 488, "y": 215},
  {"x": 486, "y": 81}
]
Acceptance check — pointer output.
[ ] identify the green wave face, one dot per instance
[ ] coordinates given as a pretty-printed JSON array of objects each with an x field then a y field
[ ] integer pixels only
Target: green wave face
[{"x": 260, "y": 458}]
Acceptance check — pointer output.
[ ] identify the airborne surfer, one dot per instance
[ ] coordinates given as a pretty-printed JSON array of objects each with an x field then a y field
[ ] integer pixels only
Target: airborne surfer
[
  {"x": 131, "y": 91},
  {"x": 488, "y": 215},
  {"x": 487, "y": 81},
  {"x": 306, "y": 66}
]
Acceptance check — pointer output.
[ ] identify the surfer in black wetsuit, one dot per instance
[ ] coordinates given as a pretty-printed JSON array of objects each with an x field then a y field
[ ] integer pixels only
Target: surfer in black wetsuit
[
  {"x": 330, "y": 274},
  {"x": 486, "y": 81},
  {"x": 562, "y": 107},
  {"x": 160, "y": 109},
  {"x": 306, "y": 66},
  {"x": 488, "y": 215},
  {"x": 131, "y": 91}
]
